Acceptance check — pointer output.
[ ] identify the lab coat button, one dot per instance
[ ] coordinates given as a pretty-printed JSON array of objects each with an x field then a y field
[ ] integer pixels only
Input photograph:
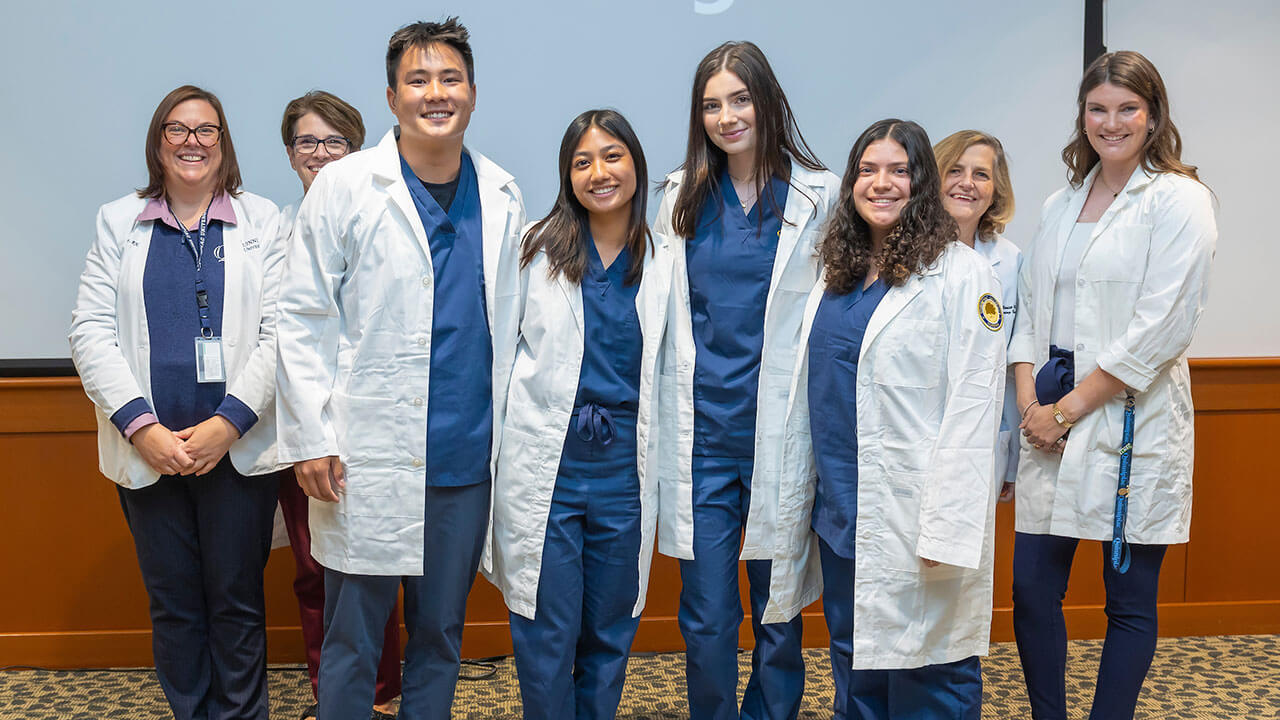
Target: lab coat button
[
  {"x": 1079, "y": 347},
  {"x": 422, "y": 342},
  {"x": 417, "y": 402},
  {"x": 426, "y": 282},
  {"x": 1080, "y": 282},
  {"x": 417, "y": 462}
]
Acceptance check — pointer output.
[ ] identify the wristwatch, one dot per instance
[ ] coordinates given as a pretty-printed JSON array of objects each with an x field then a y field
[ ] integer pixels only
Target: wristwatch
[{"x": 1060, "y": 418}]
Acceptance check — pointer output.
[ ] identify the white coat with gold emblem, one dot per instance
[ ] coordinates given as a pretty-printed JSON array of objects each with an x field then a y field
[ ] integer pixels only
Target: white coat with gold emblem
[{"x": 931, "y": 376}]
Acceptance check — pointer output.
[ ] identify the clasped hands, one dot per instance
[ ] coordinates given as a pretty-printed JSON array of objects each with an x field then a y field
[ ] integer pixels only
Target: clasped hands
[
  {"x": 191, "y": 451},
  {"x": 1042, "y": 430}
]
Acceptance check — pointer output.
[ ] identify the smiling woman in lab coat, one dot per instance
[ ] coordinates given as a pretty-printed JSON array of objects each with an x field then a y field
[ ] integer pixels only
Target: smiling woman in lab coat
[
  {"x": 173, "y": 335},
  {"x": 890, "y": 438},
  {"x": 744, "y": 212},
  {"x": 1111, "y": 293},
  {"x": 575, "y": 500}
]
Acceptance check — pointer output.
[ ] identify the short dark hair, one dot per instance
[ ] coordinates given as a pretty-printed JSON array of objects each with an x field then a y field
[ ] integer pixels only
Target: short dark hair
[
  {"x": 228, "y": 175},
  {"x": 332, "y": 109},
  {"x": 424, "y": 34}
]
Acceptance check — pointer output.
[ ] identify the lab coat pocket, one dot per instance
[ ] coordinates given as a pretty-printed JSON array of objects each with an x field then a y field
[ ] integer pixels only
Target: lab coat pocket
[
  {"x": 897, "y": 502},
  {"x": 1120, "y": 255},
  {"x": 360, "y": 446},
  {"x": 910, "y": 354}
]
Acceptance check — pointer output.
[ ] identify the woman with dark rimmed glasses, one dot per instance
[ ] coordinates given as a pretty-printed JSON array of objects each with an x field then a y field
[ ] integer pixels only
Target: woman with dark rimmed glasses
[{"x": 173, "y": 335}]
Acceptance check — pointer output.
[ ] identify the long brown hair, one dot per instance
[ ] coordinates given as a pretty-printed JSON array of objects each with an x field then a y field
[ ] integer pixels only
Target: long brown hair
[
  {"x": 777, "y": 135},
  {"x": 564, "y": 232},
  {"x": 228, "y": 174},
  {"x": 1162, "y": 151},
  {"x": 924, "y": 227},
  {"x": 948, "y": 151}
]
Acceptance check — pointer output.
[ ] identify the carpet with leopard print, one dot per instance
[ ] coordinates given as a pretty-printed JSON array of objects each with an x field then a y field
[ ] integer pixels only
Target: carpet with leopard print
[{"x": 1202, "y": 678}]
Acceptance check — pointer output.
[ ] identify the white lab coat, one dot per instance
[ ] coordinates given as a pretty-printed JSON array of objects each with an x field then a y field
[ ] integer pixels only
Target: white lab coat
[
  {"x": 1142, "y": 284},
  {"x": 544, "y": 383},
  {"x": 930, "y": 383},
  {"x": 110, "y": 338},
  {"x": 1006, "y": 260},
  {"x": 355, "y": 347},
  {"x": 795, "y": 271}
]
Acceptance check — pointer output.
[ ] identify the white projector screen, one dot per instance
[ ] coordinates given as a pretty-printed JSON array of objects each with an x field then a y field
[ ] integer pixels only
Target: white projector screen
[
  {"x": 83, "y": 78},
  {"x": 1220, "y": 62}
]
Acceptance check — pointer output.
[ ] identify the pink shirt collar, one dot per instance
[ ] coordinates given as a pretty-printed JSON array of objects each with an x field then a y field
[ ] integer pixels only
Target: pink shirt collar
[{"x": 158, "y": 209}]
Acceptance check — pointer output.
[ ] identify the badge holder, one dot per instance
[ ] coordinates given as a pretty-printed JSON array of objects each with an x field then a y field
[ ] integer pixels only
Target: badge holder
[{"x": 209, "y": 365}]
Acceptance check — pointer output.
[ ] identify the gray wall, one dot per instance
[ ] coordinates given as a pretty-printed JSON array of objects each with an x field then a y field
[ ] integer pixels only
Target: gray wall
[
  {"x": 1221, "y": 62},
  {"x": 82, "y": 79}
]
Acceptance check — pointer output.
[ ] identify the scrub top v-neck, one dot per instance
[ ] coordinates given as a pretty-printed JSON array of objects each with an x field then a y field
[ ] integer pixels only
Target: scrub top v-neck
[
  {"x": 730, "y": 264},
  {"x": 835, "y": 342},
  {"x": 460, "y": 397},
  {"x": 610, "y": 375}
]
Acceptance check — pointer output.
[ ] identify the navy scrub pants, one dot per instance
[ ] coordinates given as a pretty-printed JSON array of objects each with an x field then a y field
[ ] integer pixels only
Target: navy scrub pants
[
  {"x": 202, "y": 544},
  {"x": 711, "y": 607},
  {"x": 356, "y": 608},
  {"x": 950, "y": 691},
  {"x": 571, "y": 658},
  {"x": 1041, "y": 567}
]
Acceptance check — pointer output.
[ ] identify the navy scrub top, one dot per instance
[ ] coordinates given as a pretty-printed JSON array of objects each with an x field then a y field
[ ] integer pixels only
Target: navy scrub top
[
  {"x": 835, "y": 341},
  {"x": 730, "y": 264},
  {"x": 609, "y": 381},
  {"x": 460, "y": 395}
]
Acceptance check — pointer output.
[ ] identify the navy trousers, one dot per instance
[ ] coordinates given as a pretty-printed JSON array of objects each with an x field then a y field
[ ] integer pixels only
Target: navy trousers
[
  {"x": 356, "y": 608},
  {"x": 947, "y": 691},
  {"x": 711, "y": 608},
  {"x": 202, "y": 545},
  {"x": 1041, "y": 567},
  {"x": 571, "y": 658}
]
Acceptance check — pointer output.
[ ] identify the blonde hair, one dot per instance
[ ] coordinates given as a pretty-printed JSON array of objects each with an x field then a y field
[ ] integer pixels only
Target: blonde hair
[{"x": 948, "y": 152}]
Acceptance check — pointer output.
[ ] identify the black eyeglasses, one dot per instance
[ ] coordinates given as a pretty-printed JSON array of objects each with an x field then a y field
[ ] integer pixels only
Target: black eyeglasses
[
  {"x": 175, "y": 133},
  {"x": 334, "y": 145}
]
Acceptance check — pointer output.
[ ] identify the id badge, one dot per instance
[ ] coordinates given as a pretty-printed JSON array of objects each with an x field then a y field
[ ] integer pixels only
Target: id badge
[{"x": 209, "y": 365}]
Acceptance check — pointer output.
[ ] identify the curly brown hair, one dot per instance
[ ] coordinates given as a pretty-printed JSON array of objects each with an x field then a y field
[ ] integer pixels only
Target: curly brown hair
[{"x": 924, "y": 227}]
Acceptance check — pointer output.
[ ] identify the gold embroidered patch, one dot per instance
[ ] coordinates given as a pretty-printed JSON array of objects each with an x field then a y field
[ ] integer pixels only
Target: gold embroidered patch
[{"x": 990, "y": 311}]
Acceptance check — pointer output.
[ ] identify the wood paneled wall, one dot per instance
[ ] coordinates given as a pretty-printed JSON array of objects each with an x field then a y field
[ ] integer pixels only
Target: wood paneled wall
[{"x": 73, "y": 596}]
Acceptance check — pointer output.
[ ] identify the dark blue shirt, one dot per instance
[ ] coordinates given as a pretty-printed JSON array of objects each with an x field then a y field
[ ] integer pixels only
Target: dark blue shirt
[
  {"x": 730, "y": 261},
  {"x": 835, "y": 341},
  {"x": 460, "y": 395},
  {"x": 610, "y": 375}
]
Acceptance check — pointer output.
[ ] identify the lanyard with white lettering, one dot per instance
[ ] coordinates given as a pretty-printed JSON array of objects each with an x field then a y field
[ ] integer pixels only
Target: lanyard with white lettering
[{"x": 197, "y": 251}]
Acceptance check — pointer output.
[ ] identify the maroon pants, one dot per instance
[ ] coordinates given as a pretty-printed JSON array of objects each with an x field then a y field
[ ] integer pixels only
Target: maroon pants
[{"x": 309, "y": 587}]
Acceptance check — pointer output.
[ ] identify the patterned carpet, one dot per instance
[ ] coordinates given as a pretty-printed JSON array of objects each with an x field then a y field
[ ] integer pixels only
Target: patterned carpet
[{"x": 1206, "y": 678}]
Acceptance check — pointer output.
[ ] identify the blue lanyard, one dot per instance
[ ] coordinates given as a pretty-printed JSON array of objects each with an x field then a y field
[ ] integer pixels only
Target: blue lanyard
[
  {"x": 202, "y": 295},
  {"x": 1120, "y": 548}
]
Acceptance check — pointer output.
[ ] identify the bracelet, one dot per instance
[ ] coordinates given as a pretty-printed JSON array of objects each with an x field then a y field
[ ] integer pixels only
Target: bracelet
[{"x": 1028, "y": 407}]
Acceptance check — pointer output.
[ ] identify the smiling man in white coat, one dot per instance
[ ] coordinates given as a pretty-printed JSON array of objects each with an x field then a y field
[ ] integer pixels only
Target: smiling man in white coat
[{"x": 397, "y": 333}]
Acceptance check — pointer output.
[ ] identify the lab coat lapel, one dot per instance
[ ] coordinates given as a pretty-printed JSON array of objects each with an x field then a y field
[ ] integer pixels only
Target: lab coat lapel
[
  {"x": 494, "y": 216},
  {"x": 233, "y": 277},
  {"x": 387, "y": 169},
  {"x": 800, "y": 207},
  {"x": 573, "y": 295},
  {"x": 892, "y": 304},
  {"x": 655, "y": 283}
]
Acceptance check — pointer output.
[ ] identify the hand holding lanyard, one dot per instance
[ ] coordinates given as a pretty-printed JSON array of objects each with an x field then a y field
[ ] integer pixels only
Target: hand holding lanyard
[{"x": 209, "y": 365}]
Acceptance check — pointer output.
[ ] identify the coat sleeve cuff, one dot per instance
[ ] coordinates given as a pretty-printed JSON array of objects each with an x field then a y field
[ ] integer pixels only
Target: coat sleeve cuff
[
  {"x": 949, "y": 553},
  {"x": 237, "y": 413},
  {"x": 1126, "y": 368},
  {"x": 131, "y": 411}
]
